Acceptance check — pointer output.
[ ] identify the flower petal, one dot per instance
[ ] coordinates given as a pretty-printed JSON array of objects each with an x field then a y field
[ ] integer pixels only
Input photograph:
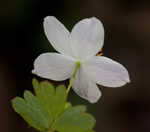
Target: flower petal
[
  {"x": 54, "y": 66},
  {"x": 57, "y": 34},
  {"x": 87, "y": 37},
  {"x": 106, "y": 72},
  {"x": 86, "y": 88}
]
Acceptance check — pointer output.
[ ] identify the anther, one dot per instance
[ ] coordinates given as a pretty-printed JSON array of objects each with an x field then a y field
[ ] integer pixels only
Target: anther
[{"x": 100, "y": 53}]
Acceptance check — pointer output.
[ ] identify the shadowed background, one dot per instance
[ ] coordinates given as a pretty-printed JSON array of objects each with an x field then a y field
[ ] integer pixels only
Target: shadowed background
[{"x": 127, "y": 40}]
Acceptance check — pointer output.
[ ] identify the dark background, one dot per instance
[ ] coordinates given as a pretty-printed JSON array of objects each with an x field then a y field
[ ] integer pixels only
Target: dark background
[{"x": 127, "y": 40}]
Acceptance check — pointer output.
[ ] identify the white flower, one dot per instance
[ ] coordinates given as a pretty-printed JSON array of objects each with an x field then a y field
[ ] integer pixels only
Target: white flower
[{"x": 82, "y": 44}]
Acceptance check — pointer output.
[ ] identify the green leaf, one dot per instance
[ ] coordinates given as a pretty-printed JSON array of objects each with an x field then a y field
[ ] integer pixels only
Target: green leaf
[
  {"x": 74, "y": 119},
  {"x": 68, "y": 105},
  {"x": 52, "y": 100},
  {"x": 31, "y": 111},
  {"x": 86, "y": 131},
  {"x": 90, "y": 131},
  {"x": 48, "y": 110}
]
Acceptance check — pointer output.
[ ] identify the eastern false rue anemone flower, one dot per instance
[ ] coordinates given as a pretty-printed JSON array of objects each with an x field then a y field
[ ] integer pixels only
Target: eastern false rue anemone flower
[{"x": 79, "y": 47}]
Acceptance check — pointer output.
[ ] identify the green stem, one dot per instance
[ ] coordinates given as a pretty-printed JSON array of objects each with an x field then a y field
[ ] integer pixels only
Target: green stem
[
  {"x": 52, "y": 127},
  {"x": 73, "y": 77}
]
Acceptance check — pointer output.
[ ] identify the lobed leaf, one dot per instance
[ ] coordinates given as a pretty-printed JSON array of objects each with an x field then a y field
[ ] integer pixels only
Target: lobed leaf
[
  {"x": 52, "y": 100},
  {"x": 49, "y": 110},
  {"x": 74, "y": 119},
  {"x": 31, "y": 111}
]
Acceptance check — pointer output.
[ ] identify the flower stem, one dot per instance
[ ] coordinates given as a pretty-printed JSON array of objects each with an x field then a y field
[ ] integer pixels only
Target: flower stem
[
  {"x": 73, "y": 77},
  {"x": 52, "y": 127}
]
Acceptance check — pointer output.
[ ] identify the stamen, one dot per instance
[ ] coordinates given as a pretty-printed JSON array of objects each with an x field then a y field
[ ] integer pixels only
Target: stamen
[{"x": 100, "y": 53}]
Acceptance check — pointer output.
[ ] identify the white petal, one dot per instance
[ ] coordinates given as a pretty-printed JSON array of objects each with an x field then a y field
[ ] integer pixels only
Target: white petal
[
  {"x": 106, "y": 72},
  {"x": 87, "y": 37},
  {"x": 86, "y": 88},
  {"x": 57, "y": 34},
  {"x": 54, "y": 66}
]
